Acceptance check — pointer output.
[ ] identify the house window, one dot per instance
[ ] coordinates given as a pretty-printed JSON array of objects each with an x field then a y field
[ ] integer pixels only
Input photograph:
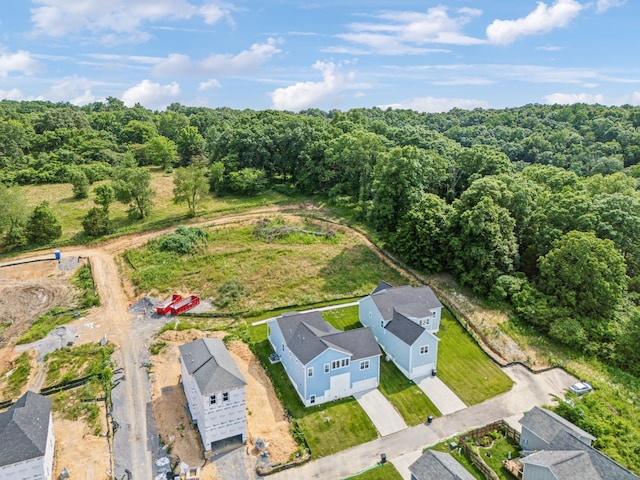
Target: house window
[
  {"x": 283, "y": 347},
  {"x": 424, "y": 349},
  {"x": 310, "y": 372},
  {"x": 212, "y": 400},
  {"x": 339, "y": 363},
  {"x": 364, "y": 364},
  {"x": 225, "y": 396},
  {"x": 312, "y": 399},
  {"x": 425, "y": 322},
  {"x": 370, "y": 314},
  {"x": 382, "y": 323},
  {"x": 326, "y": 368}
]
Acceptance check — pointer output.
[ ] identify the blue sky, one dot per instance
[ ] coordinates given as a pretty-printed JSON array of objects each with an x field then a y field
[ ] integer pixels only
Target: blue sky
[{"x": 290, "y": 55}]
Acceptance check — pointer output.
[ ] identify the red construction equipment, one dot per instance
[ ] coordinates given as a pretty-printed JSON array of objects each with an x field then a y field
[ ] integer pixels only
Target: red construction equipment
[
  {"x": 165, "y": 307},
  {"x": 185, "y": 304}
]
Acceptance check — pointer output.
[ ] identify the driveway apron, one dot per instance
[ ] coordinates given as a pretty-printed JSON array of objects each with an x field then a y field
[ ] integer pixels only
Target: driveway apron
[
  {"x": 441, "y": 395},
  {"x": 382, "y": 413}
]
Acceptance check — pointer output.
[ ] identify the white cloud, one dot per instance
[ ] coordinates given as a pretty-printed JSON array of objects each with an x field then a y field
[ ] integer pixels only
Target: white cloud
[
  {"x": 404, "y": 33},
  {"x": 218, "y": 64},
  {"x": 117, "y": 21},
  {"x": 76, "y": 90},
  {"x": 437, "y": 105},
  {"x": 543, "y": 19},
  {"x": 20, "y": 61},
  {"x": 151, "y": 95},
  {"x": 211, "y": 83},
  {"x": 13, "y": 94},
  {"x": 569, "y": 98},
  {"x": 312, "y": 94},
  {"x": 604, "y": 5}
]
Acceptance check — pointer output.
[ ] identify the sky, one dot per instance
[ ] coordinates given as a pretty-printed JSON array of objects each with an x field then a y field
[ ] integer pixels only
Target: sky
[{"x": 429, "y": 56}]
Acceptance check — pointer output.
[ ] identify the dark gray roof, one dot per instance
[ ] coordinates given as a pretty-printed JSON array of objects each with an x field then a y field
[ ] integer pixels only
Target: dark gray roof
[
  {"x": 208, "y": 360},
  {"x": 547, "y": 424},
  {"x": 565, "y": 465},
  {"x": 412, "y": 302},
  {"x": 382, "y": 286},
  {"x": 606, "y": 468},
  {"x": 404, "y": 329},
  {"x": 438, "y": 465},
  {"x": 308, "y": 335},
  {"x": 24, "y": 428}
]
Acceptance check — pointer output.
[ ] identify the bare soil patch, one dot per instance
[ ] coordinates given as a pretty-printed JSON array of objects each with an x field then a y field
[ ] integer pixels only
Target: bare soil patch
[{"x": 265, "y": 416}]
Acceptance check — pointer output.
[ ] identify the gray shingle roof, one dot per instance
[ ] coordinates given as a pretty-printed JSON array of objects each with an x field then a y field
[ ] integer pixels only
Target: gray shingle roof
[
  {"x": 208, "y": 360},
  {"x": 404, "y": 329},
  {"x": 564, "y": 464},
  {"x": 412, "y": 302},
  {"x": 24, "y": 428},
  {"x": 547, "y": 424},
  {"x": 438, "y": 465},
  {"x": 308, "y": 335}
]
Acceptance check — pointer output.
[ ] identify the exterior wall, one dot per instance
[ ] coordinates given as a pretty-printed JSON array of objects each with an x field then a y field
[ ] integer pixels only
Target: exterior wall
[
  {"x": 49, "y": 451},
  {"x": 537, "y": 472},
  {"x": 435, "y": 323},
  {"x": 422, "y": 365},
  {"x": 30, "y": 470},
  {"x": 295, "y": 370},
  {"x": 191, "y": 392},
  {"x": 530, "y": 442},
  {"x": 225, "y": 419},
  {"x": 370, "y": 316}
]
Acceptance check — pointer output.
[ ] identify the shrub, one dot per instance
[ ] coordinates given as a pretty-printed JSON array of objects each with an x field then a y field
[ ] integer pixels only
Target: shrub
[{"x": 185, "y": 240}]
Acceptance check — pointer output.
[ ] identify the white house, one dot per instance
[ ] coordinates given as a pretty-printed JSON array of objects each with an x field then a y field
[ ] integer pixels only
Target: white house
[
  {"x": 404, "y": 321},
  {"x": 215, "y": 391},
  {"x": 26, "y": 439}
]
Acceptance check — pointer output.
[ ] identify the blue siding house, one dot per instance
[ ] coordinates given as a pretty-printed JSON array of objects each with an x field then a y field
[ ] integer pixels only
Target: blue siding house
[
  {"x": 324, "y": 363},
  {"x": 404, "y": 321}
]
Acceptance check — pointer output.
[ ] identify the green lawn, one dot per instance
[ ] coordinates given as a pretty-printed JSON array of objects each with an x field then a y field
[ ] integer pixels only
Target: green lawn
[
  {"x": 461, "y": 457},
  {"x": 343, "y": 318},
  {"x": 380, "y": 472},
  {"x": 327, "y": 428},
  {"x": 464, "y": 367},
  {"x": 405, "y": 395}
]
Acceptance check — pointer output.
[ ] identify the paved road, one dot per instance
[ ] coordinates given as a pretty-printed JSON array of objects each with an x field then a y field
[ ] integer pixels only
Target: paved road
[
  {"x": 529, "y": 390},
  {"x": 382, "y": 413}
]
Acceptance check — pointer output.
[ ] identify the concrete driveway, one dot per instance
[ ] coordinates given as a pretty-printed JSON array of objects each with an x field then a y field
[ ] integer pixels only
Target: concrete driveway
[
  {"x": 381, "y": 412},
  {"x": 441, "y": 395}
]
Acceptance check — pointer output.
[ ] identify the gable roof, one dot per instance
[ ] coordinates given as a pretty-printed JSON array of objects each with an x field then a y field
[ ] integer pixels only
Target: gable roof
[
  {"x": 412, "y": 302},
  {"x": 208, "y": 360},
  {"x": 547, "y": 424},
  {"x": 404, "y": 329},
  {"x": 433, "y": 464},
  {"x": 564, "y": 464},
  {"x": 308, "y": 335},
  {"x": 25, "y": 426}
]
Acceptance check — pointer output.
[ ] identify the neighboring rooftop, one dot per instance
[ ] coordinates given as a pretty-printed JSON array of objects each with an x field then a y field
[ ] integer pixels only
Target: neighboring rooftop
[
  {"x": 547, "y": 424},
  {"x": 208, "y": 360},
  {"x": 412, "y": 302},
  {"x": 24, "y": 427},
  {"x": 308, "y": 335},
  {"x": 405, "y": 329},
  {"x": 438, "y": 465}
]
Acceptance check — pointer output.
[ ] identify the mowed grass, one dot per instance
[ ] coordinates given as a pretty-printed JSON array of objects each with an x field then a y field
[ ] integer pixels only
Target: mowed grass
[
  {"x": 380, "y": 472},
  {"x": 70, "y": 211},
  {"x": 464, "y": 367},
  {"x": 327, "y": 428},
  {"x": 291, "y": 272},
  {"x": 404, "y": 394}
]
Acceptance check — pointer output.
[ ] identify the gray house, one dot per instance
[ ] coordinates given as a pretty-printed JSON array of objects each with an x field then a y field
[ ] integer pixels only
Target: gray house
[
  {"x": 434, "y": 465},
  {"x": 215, "y": 391},
  {"x": 26, "y": 439},
  {"x": 558, "y": 450}
]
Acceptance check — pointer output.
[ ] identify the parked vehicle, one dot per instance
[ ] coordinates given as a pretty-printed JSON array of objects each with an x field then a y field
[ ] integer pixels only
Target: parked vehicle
[{"x": 581, "y": 388}]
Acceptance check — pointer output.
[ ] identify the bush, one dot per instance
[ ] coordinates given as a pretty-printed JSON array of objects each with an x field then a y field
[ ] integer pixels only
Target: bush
[
  {"x": 96, "y": 223},
  {"x": 185, "y": 240}
]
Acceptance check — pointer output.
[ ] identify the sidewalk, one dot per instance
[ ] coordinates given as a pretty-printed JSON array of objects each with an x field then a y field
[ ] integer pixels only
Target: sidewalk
[{"x": 530, "y": 390}]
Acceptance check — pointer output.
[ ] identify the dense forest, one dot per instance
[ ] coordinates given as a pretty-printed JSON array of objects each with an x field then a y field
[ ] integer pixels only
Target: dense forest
[{"x": 537, "y": 207}]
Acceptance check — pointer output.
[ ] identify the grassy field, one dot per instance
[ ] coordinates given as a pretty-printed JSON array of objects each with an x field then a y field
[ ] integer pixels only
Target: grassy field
[
  {"x": 70, "y": 211},
  {"x": 12, "y": 383},
  {"x": 288, "y": 272},
  {"x": 464, "y": 367}
]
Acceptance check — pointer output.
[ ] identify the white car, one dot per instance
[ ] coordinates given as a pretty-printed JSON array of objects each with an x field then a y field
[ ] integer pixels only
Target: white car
[{"x": 580, "y": 388}]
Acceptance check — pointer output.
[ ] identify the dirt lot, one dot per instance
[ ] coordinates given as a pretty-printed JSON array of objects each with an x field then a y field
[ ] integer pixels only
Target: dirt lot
[{"x": 265, "y": 417}]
